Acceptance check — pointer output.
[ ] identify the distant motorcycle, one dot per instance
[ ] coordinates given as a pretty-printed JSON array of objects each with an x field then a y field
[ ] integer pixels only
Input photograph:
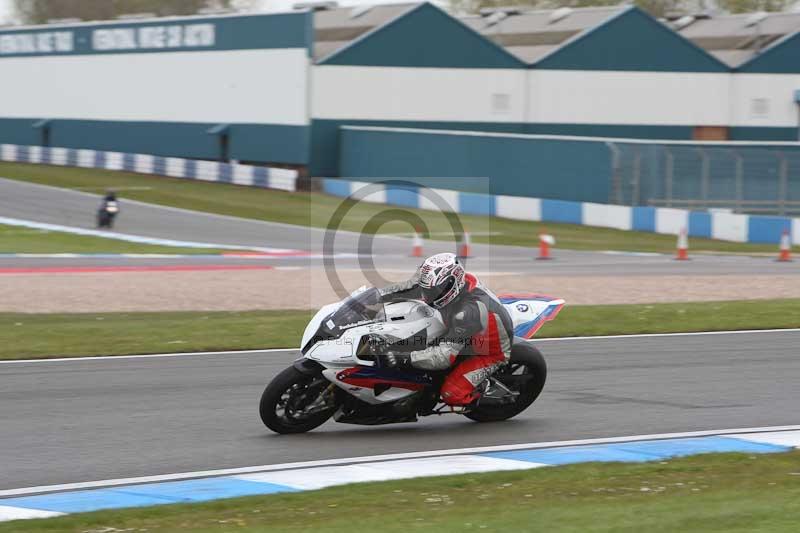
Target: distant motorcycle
[
  {"x": 337, "y": 374},
  {"x": 107, "y": 213}
]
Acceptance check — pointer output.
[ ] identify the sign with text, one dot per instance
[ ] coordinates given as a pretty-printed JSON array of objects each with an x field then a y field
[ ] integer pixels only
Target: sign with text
[
  {"x": 286, "y": 30},
  {"x": 103, "y": 40},
  {"x": 173, "y": 36},
  {"x": 45, "y": 42}
]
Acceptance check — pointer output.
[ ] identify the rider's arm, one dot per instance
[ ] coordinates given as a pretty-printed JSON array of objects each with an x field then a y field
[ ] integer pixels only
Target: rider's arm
[
  {"x": 467, "y": 322},
  {"x": 409, "y": 289}
]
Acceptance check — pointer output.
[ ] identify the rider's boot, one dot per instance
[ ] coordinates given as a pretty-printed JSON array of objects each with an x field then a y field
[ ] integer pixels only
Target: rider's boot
[{"x": 493, "y": 392}]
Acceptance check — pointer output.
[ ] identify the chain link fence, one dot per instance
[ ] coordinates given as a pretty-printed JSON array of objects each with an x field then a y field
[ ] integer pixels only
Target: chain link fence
[{"x": 736, "y": 177}]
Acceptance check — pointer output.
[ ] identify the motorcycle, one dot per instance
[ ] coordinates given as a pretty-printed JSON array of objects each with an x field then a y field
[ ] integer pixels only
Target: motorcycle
[
  {"x": 338, "y": 376},
  {"x": 106, "y": 214}
]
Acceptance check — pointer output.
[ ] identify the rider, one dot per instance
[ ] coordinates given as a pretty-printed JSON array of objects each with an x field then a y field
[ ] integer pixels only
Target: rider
[
  {"x": 478, "y": 327},
  {"x": 110, "y": 202}
]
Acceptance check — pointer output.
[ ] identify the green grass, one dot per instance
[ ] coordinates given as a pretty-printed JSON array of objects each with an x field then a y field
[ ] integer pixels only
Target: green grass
[
  {"x": 315, "y": 209},
  {"x": 67, "y": 335},
  {"x": 673, "y": 317},
  {"x": 710, "y": 493},
  {"x": 76, "y": 334},
  {"x": 18, "y": 240}
]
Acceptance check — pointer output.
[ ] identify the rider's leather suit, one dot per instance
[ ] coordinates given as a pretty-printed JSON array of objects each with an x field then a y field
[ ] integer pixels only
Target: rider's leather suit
[{"x": 478, "y": 328}]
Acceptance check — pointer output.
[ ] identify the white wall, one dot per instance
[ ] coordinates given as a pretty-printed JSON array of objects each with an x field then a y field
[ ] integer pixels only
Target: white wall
[
  {"x": 611, "y": 97},
  {"x": 729, "y": 226},
  {"x": 671, "y": 221},
  {"x": 764, "y": 100},
  {"x": 518, "y": 96},
  {"x": 607, "y": 216},
  {"x": 251, "y": 86},
  {"x": 424, "y": 94},
  {"x": 519, "y": 208}
]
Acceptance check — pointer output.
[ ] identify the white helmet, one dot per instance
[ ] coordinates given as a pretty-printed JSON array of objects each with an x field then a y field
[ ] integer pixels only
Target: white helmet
[{"x": 441, "y": 278}]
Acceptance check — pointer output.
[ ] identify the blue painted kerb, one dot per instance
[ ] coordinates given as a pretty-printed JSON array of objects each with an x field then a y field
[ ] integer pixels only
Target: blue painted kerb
[
  {"x": 195, "y": 490},
  {"x": 201, "y": 490},
  {"x": 637, "y": 451}
]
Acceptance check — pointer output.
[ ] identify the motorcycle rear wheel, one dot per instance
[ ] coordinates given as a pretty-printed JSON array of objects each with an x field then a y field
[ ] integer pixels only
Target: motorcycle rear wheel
[
  {"x": 283, "y": 390},
  {"x": 525, "y": 360}
]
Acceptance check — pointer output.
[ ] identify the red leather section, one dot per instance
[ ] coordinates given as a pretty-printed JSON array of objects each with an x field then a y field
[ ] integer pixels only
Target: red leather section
[
  {"x": 457, "y": 389},
  {"x": 471, "y": 281}
]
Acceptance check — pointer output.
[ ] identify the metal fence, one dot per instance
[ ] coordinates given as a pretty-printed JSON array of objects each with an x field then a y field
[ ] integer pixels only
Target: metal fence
[{"x": 743, "y": 178}]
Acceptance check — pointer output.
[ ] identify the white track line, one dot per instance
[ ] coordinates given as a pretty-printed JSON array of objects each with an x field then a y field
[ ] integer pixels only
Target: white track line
[
  {"x": 367, "y": 459},
  {"x": 141, "y": 239},
  {"x": 269, "y": 350}
]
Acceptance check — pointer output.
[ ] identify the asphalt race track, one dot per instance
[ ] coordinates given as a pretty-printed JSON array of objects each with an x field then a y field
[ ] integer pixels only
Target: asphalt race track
[
  {"x": 84, "y": 420},
  {"x": 73, "y": 208}
]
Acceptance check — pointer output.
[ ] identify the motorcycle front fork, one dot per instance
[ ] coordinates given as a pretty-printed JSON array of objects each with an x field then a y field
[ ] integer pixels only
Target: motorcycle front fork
[{"x": 325, "y": 400}]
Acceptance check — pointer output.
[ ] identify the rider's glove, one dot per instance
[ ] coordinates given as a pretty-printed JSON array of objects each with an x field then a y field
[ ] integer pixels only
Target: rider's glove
[{"x": 394, "y": 360}]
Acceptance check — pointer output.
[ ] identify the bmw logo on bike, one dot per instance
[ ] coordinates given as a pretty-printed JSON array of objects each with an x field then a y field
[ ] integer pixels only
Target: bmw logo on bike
[{"x": 522, "y": 308}]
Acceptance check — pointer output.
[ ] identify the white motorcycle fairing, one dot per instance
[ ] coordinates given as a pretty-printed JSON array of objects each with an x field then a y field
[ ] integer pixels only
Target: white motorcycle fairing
[
  {"x": 529, "y": 312},
  {"x": 411, "y": 321}
]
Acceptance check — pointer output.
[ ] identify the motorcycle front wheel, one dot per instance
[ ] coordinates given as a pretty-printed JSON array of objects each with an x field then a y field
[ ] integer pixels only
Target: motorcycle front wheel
[
  {"x": 291, "y": 402},
  {"x": 526, "y": 374}
]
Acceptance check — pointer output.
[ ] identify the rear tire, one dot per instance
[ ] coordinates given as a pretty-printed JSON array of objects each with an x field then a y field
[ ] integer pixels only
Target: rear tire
[
  {"x": 273, "y": 400},
  {"x": 523, "y": 356}
]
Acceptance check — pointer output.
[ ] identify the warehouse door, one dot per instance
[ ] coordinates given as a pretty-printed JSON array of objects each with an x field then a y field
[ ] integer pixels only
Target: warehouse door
[{"x": 710, "y": 133}]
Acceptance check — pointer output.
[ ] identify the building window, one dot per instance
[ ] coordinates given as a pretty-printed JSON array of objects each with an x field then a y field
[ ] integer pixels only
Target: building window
[
  {"x": 501, "y": 103},
  {"x": 759, "y": 108}
]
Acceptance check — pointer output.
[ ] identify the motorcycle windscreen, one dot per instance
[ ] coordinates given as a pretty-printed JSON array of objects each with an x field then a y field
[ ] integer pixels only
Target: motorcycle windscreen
[
  {"x": 358, "y": 309},
  {"x": 529, "y": 312},
  {"x": 362, "y": 308}
]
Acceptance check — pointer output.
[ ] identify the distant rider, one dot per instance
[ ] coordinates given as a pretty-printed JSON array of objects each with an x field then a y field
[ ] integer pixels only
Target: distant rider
[
  {"x": 110, "y": 202},
  {"x": 108, "y": 210},
  {"x": 479, "y": 329}
]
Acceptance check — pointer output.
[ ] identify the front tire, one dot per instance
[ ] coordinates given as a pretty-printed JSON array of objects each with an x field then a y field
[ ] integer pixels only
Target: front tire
[
  {"x": 526, "y": 360},
  {"x": 285, "y": 398}
]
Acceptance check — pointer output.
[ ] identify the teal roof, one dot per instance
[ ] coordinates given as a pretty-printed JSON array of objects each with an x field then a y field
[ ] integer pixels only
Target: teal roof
[
  {"x": 782, "y": 57},
  {"x": 425, "y": 36},
  {"x": 631, "y": 40}
]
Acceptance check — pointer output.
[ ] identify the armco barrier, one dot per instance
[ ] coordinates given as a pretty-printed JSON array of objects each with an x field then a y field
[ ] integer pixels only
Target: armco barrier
[
  {"x": 253, "y": 176},
  {"x": 716, "y": 225}
]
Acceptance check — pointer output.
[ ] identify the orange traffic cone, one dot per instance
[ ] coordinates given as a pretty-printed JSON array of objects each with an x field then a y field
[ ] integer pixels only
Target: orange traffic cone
[
  {"x": 545, "y": 242},
  {"x": 416, "y": 245},
  {"x": 464, "y": 247},
  {"x": 786, "y": 247},
  {"x": 683, "y": 246}
]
